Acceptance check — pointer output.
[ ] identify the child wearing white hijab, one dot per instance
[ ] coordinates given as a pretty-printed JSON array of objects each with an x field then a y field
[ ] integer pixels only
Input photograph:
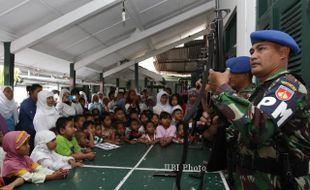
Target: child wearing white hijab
[
  {"x": 46, "y": 114},
  {"x": 162, "y": 103},
  {"x": 64, "y": 106},
  {"x": 44, "y": 154},
  {"x": 8, "y": 107}
]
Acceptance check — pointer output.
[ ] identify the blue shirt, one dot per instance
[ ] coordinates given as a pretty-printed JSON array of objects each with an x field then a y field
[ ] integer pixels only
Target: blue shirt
[
  {"x": 26, "y": 114},
  {"x": 10, "y": 123}
]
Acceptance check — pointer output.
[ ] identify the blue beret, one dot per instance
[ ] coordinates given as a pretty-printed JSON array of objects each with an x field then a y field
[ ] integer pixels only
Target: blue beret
[
  {"x": 239, "y": 64},
  {"x": 275, "y": 36}
]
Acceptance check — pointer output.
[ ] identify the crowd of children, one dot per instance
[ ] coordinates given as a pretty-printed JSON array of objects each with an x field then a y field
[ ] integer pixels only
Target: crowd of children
[{"x": 70, "y": 138}]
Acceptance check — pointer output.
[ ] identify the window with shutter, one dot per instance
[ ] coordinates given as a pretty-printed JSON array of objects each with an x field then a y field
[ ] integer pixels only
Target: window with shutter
[
  {"x": 231, "y": 36},
  {"x": 291, "y": 23},
  {"x": 291, "y": 17}
]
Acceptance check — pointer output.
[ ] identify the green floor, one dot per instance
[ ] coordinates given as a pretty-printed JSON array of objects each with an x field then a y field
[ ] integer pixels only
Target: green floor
[{"x": 111, "y": 167}]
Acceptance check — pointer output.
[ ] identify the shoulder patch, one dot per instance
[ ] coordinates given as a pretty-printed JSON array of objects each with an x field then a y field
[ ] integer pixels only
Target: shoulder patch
[{"x": 284, "y": 93}]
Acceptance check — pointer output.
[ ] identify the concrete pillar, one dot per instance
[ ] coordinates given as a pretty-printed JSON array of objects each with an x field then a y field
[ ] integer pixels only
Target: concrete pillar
[{"x": 9, "y": 65}]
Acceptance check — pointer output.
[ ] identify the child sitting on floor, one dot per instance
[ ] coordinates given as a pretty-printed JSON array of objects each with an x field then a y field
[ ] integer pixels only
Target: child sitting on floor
[
  {"x": 66, "y": 142},
  {"x": 81, "y": 138},
  {"x": 98, "y": 133},
  {"x": 79, "y": 121},
  {"x": 89, "y": 130},
  {"x": 45, "y": 155},
  {"x": 133, "y": 134},
  {"x": 17, "y": 163},
  {"x": 179, "y": 139},
  {"x": 149, "y": 137},
  {"x": 108, "y": 133},
  {"x": 11, "y": 184},
  {"x": 144, "y": 117},
  {"x": 155, "y": 119},
  {"x": 177, "y": 114},
  {"x": 133, "y": 114},
  {"x": 119, "y": 132},
  {"x": 165, "y": 132}
]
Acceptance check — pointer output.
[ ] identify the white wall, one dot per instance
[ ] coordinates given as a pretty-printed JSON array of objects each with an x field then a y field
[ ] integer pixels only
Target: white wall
[
  {"x": 246, "y": 21},
  {"x": 246, "y": 24}
]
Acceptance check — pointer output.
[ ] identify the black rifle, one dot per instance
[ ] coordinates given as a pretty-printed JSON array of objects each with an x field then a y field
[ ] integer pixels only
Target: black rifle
[
  {"x": 215, "y": 45},
  {"x": 217, "y": 160}
]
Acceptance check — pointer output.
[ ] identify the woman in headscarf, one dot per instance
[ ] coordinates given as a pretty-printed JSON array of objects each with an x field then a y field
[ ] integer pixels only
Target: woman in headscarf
[
  {"x": 8, "y": 107},
  {"x": 192, "y": 96},
  {"x": 63, "y": 105},
  {"x": 95, "y": 103},
  {"x": 46, "y": 115},
  {"x": 162, "y": 103},
  {"x": 45, "y": 155},
  {"x": 83, "y": 95},
  {"x": 75, "y": 102}
]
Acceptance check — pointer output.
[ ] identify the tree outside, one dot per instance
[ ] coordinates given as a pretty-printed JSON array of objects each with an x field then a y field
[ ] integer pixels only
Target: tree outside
[{"x": 16, "y": 75}]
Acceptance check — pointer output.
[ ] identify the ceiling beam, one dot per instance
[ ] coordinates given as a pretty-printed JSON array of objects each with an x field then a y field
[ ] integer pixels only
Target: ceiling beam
[
  {"x": 133, "y": 13},
  {"x": 145, "y": 34},
  {"x": 93, "y": 70},
  {"x": 151, "y": 74},
  {"x": 66, "y": 20},
  {"x": 154, "y": 52}
]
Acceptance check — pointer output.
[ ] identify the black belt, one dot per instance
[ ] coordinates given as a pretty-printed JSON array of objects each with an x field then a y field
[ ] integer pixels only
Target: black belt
[{"x": 271, "y": 166}]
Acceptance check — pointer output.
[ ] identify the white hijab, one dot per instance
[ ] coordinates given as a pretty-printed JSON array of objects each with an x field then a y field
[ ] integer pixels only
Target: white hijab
[
  {"x": 46, "y": 116},
  {"x": 61, "y": 94},
  {"x": 8, "y": 107},
  {"x": 63, "y": 108},
  {"x": 83, "y": 94},
  {"x": 162, "y": 107},
  {"x": 41, "y": 151}
]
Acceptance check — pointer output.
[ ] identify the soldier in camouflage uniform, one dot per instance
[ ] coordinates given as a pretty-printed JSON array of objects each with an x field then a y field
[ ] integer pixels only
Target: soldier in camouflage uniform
[
  {"x": 240, "y": 80},
  {"x": 273, "y": 150}
]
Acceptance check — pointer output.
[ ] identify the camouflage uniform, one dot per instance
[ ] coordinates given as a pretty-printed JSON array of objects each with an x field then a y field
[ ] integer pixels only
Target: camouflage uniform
[
  {"x": 246, "y": 93},
  {"x": 231, "y": 132},
  {"x": 282, "y": 110},
  {"x": 232, "y": 136}
]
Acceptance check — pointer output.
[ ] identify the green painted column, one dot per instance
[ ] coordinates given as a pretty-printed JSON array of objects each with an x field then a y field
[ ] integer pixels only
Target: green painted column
[
  {"x": 9, "y": 60},
  {"x": 101, "y": 82},
  {"x": 128, "y": 85},
  {"x": 137, "y": 76},
  {"x": 152, "y": 87},
  {"x": 146, "y": 81},
  {"x": 175, "y": 87},
  {"x": 117, "y": 82},
  {"x": 72, "y": 76}
]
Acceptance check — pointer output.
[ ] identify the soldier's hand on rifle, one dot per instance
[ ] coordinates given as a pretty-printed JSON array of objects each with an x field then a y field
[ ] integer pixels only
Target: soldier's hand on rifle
[
  {"x": 198, "y": 84},
  {"x": 216, "y": 79},
  {"x": 205, "y": 119}
]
